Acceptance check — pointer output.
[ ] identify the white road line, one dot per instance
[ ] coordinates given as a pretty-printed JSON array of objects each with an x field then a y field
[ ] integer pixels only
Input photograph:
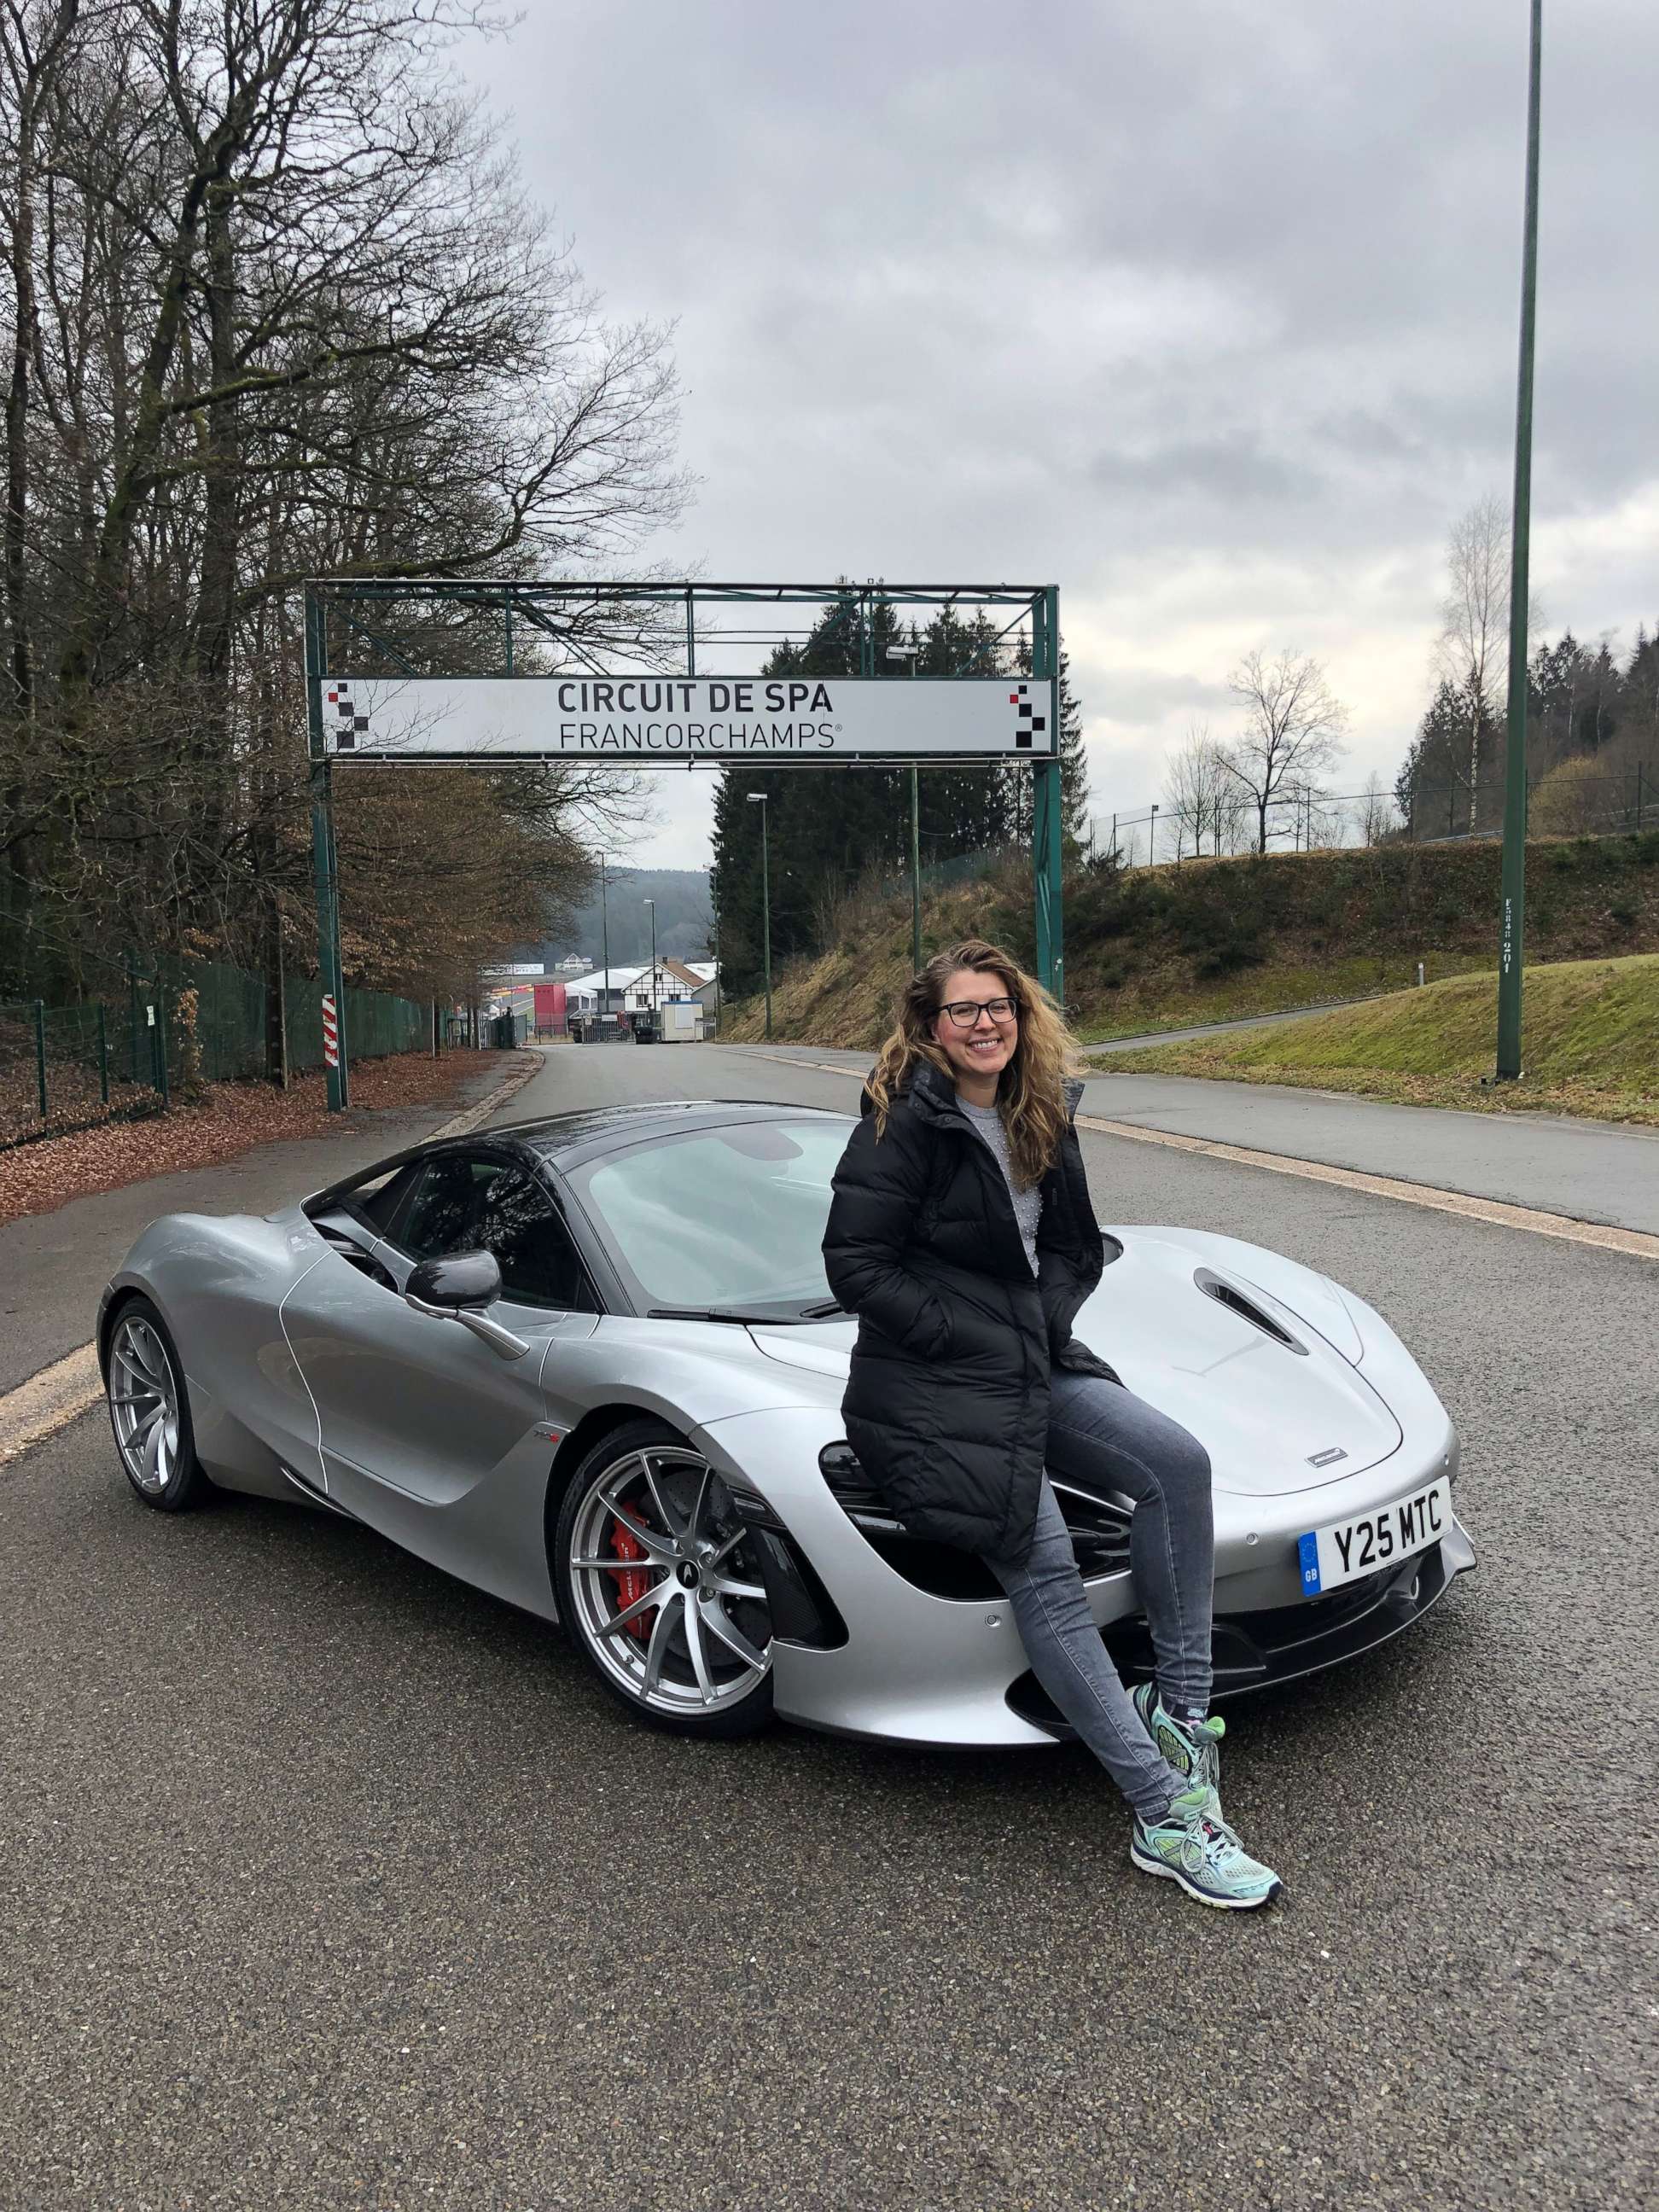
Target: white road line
[
  {"x": 48, "y": 1401},
  {"x": 1598, "y": 1235},
  {"x": 55, "y": 1395}
]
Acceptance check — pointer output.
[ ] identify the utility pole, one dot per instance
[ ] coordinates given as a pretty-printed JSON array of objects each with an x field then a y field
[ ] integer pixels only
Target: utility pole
[
  {"x": 656, "y": 1005},
  {"x": 911, "y": 652},
  {"x": 758, "y": 799},
  {"x": 1511, "y": 931},
  {"x": 605, "y": 943},
  {"x": 714, "y": 901}
]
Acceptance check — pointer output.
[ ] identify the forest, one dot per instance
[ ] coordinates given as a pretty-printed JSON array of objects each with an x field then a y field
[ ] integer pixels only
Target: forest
[
  {"x": 276, "y": 307},
  {"x": 834, "y": 836}
]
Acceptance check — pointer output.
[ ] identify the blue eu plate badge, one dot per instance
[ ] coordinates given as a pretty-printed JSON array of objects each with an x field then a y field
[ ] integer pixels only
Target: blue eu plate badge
[{"x": 1308, "y": 1548}]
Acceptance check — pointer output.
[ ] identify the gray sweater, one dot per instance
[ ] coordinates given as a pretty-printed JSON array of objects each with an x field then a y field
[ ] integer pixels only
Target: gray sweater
[{"x": 1027, "y": 1204}]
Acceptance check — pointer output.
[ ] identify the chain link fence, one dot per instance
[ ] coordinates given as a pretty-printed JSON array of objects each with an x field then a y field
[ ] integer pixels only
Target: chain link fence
[{"x": 158, "y": 1026}]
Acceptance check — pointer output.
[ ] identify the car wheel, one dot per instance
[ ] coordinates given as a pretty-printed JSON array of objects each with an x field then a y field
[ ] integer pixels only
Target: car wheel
[
  {"x": 150, "y": 1411},
  {"x": 658, "y": 1586}
]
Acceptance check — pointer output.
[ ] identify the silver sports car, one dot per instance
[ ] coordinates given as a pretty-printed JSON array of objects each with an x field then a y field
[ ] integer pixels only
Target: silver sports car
[{"x": 592, "y": 1366}]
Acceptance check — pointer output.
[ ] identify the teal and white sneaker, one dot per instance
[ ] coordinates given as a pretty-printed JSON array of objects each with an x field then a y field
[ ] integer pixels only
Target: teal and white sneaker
[
  {"x": 1194, "y": 1846},
  {"x": 1193, "y": 1749}
]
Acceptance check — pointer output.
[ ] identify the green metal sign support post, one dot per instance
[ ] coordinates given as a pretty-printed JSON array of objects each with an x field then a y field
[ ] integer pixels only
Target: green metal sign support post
[
  {"x": 1514, "y": 892},
  {"x": 1046, "y": 812},
  {"x": 325, "y": 859}
]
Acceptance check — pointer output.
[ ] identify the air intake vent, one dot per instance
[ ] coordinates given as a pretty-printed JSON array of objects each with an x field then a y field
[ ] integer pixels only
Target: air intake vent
[{"x": 1225, "y": 1294}]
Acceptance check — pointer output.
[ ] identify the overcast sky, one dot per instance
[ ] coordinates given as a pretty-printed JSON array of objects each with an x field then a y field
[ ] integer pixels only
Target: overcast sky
[{"x": 1205, "y": 313}]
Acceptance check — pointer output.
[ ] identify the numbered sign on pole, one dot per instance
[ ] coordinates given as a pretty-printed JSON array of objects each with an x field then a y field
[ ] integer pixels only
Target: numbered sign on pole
[{"x": 330, "y": 1031}]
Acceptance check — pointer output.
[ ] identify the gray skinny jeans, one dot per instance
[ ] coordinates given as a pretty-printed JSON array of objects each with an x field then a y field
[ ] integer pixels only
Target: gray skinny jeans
[{"x": 1100, "y": 1433}]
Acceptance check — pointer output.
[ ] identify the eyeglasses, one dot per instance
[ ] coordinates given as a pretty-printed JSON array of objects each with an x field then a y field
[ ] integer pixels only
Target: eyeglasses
[{"x": 965, "y": 1013}]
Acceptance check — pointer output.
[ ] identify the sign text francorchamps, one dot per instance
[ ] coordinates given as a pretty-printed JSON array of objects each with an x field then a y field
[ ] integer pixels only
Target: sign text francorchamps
[{"x": 682, "y": 719}]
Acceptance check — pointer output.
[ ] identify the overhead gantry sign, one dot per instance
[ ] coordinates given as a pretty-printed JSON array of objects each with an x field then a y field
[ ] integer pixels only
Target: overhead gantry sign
[{"x": 408, "y": 671}]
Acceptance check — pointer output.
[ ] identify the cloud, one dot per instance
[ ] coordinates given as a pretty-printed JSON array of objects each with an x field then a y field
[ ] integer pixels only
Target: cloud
[{"x": 1207, "y": 314}]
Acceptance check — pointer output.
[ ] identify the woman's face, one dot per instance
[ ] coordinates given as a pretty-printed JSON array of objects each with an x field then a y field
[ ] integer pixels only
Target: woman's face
[{"x": 987, "y": 1048}]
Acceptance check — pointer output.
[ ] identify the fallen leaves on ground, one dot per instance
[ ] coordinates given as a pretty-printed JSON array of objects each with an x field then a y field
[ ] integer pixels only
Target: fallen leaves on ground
[{"x": 230, "y": 1118}]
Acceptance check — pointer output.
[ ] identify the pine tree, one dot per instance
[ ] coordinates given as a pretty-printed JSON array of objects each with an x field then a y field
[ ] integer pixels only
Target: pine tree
[{"x": 1075, "y": 828}]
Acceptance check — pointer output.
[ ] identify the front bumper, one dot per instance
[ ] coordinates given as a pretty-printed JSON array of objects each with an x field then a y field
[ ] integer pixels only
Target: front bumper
[{"x": 1257, "y": 1650}]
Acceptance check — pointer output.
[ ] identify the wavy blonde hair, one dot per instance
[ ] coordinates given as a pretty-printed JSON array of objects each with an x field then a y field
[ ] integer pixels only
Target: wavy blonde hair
[{"x": 1030, "y": 1095}]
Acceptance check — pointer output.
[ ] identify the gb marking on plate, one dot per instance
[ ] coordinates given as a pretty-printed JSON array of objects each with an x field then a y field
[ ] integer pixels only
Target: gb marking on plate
[{"x": 1308, "y": 1551}]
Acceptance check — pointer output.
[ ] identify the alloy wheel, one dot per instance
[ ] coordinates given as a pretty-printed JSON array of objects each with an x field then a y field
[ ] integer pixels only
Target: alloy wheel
[
  {"x": 668, "y": 1599},
  {"x": 144, "y": 1402}
]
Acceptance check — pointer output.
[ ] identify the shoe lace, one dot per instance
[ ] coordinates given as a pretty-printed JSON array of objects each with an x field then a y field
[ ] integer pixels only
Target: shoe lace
[{"x": 1215, "y": 1839}]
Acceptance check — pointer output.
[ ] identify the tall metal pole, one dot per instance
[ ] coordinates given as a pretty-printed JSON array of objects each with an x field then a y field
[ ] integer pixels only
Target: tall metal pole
[
  {"x": 656, "y": 1009},
  {"x": 766, "y": 916},
  {"x": 915, "y": 870},
  {"x": 1510, "y": 932},
  {"x": 1046, "y": 813},
  {"x": 324, "y": 869},
  {"x": 714, "y": 901},
  {"x": 605, "y": 943}
]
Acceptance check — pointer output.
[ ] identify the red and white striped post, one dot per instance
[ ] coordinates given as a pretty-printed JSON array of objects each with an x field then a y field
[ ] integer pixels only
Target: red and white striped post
[{"x": 330, "y": 1031}]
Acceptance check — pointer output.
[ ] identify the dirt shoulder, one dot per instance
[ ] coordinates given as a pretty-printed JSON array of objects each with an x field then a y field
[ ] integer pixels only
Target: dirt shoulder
[{"x": 234, "y": 1118}]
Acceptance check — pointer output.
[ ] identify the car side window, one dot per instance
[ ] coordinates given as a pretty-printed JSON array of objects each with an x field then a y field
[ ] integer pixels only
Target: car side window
[
  {"x": 470, "y": 1202},
  {"x": 539, "y": 1263},
  {"x": 446, "y": 1211},
  {"x": 376, "y": 1203}
]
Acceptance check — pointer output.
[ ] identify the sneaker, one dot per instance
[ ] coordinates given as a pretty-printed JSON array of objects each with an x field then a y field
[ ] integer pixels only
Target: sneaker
[
  {"x": 1193, "y": 1749},
  {"x": 1194, "y": 1845}
]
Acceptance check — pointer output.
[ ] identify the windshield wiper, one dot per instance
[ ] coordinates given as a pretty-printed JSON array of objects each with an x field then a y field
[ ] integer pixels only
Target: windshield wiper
[
  {"x": 825, "y": 1312},
  {"x": 738, "y": 1314}
]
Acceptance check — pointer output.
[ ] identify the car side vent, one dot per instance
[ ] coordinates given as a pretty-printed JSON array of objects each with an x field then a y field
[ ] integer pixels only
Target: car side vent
[{"x": 1225, "y": 1294}]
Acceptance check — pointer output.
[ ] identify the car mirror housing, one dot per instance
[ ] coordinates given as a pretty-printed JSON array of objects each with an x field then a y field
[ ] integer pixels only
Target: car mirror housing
[
  {"x": 460, "y": 1280},
  {"x": 459, "y": 1288}
]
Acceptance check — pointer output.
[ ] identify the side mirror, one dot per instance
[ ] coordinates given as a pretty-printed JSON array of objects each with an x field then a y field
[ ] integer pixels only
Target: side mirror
[{"x": 459, "y": 1288}]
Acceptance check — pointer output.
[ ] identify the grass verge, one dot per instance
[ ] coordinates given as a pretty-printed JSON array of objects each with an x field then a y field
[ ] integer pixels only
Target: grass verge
[{"x": 1590, "y": 1045}]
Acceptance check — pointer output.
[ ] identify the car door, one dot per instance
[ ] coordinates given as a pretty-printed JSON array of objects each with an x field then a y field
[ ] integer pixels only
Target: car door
[{"x": 413, "y": 1408}]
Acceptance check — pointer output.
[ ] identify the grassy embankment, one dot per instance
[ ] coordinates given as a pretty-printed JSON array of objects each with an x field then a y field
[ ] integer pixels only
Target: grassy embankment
[
  {"x": 1590, "y": 1045},
  {"x": 1170, "y": 947}
]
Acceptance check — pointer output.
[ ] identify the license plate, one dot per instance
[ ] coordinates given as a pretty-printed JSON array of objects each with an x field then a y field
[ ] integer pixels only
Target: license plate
[{"x": 1348, "y": 1549}]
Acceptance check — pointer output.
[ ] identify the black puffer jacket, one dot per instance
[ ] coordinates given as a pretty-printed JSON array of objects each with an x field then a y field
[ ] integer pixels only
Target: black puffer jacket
[{"x": 947, "y": 1403}]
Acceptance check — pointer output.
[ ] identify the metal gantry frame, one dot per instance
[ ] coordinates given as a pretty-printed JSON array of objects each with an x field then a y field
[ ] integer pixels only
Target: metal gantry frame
[{"x": 424, "y": 627}]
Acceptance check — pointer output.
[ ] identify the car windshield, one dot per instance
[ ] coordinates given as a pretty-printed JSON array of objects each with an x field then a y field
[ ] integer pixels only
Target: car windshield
[{"x": 719, "y": 1217}]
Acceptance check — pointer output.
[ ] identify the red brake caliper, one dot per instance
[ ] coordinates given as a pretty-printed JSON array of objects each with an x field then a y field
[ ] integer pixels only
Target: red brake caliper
[{"x": 632, "y": 1582}]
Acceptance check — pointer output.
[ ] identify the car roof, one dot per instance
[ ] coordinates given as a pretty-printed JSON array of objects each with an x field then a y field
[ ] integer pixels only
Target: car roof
[{"x": 566, "y": 1140}]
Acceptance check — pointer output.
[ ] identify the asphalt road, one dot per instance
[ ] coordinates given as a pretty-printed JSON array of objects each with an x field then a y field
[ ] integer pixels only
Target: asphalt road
[
  {"x": 1602, "y": 1171},
  {"x": 333, "y": 1884}
]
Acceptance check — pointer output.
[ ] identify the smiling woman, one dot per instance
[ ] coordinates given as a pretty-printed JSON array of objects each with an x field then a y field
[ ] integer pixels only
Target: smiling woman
[{"x": 962, "y": 1235}]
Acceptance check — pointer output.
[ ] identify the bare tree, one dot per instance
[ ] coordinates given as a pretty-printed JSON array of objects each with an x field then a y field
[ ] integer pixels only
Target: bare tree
[
  {"x": 1201, "y": 794},
  {"x": 1475, "y": 617},
  {"x": 278, "y": 308},
  {"x": 1375, "y": 815},
  {"x": 1293, "y": 731}
]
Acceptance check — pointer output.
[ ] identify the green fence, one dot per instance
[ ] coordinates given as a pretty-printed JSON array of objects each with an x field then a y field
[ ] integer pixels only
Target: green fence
[{"x": 159, "y": 1021}]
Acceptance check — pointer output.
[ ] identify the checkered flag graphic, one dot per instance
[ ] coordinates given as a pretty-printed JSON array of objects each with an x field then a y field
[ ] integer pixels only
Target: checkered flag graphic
[
  {"x": 1030, "y": 724},
  {"x": 350, "y": 721}
]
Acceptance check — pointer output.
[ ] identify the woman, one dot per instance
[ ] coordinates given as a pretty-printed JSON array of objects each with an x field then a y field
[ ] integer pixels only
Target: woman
[{"x": 963, "y": 1235}]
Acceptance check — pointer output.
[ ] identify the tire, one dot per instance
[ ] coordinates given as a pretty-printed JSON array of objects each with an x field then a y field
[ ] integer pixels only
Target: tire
[
  {"x": 150, "y": 1411},
  {"x": 642, "y": 1513}
]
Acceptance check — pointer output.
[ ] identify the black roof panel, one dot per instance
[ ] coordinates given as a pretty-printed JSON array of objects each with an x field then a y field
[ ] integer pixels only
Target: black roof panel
[{"x": 565, "y": 1140}]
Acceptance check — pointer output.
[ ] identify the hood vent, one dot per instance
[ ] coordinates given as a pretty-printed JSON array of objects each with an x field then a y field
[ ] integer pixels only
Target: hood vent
[{"x": 1227, "y": 1294}]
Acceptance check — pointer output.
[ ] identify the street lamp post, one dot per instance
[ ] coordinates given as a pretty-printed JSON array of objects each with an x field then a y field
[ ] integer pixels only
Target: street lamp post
[
  {"x": 1514, "y": 884},
  {"x": 605, "y": 943},
  {"x": 910, "y": 653},
  {"x": 656, "y": 1008},
  {"x": 758, "y": 799},
  {"x": 714, "y": 901}
]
